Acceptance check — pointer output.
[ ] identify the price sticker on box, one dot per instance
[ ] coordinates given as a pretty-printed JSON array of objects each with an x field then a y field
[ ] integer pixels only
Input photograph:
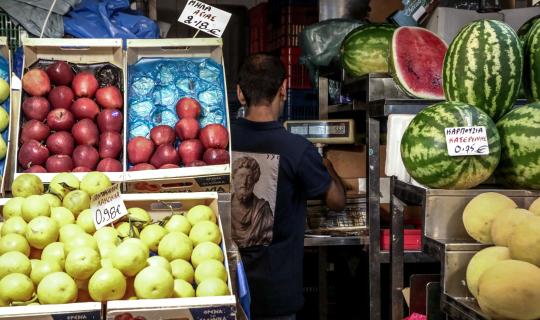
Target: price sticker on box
[
  {"x": 466, "y": 141},
  {"x": 205, "y": 18},
  {"x": 107, "y": 206}
]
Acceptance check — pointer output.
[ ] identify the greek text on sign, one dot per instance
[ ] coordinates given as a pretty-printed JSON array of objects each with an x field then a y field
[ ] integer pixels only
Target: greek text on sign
[
  {"x": 466, "y": 141},
  {"x": 107, "y": 206},
  {"x": 204, "y": 17}
]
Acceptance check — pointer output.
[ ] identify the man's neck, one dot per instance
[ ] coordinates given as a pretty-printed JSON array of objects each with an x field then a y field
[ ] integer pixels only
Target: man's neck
[{"x": 261, "y": 113}]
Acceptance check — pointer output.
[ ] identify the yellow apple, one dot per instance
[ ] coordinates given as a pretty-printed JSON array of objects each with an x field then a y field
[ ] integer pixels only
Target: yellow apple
[
  {"x": 54, "y": 252},
  {"x": 178, "y": 223},
  {"x": 204, "y": 251},
  {"x": 212, "y": 287},
  {"x": 175, "y": 245},
  {"x": 35, "y": 206},
  {"x": 13, "y": 207},
  {"x": 41, "y": 268},
  {"x": 14, "y": 242},
  {"x": 53, "y": 200},
  {"x": 62, "y": 183},
  {"x": 16, "y": 287},
  {"x": 154, "y": 283},
  {"x": 82, "y": 262},
  {"x": 183, "y": 289},
  {"x": 107, "y": 234},
  {"x": 200, "y": 213},
  {"x": 27, "y": 184},
  {"x": 210, "y": 269},
  {"x": 107, "y": 284},
  {"x": 57, "y": 288},
  {"x": 129, "y": 258},
  {"x": 76, "y": 201},
  {"x": 86, "y": 221},
  {"x": 158, "y": 261},
  {"x": 151, "y": 235},
  {"x": 205, "y": 231},
  {"x": 14, "y": 262},
  {"x": 95, "y": 182},
  {"x": 62, "y": 216},
  {"x": 15, "y": 224},
  {"x": 182, "y": 269},
  {"x": 41, "y": 231}
]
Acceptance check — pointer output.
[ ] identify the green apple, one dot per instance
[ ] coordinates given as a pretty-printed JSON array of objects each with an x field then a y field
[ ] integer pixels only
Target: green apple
[
  {"x": 158, "y": 261},
  {"x": 107, "y": 284},
  {"x": 127, "y": 230},
  {"x": 138, "y": 216},
  {"x": 15, "y": 224},
  {"x": 54, "y": 201},
  {"x": 151, "y": 235},
  {"x": 210, "y": 269},
  {"x": 178, "y": 223},
  {"x": 154, "y": 283},
  {"x": 27, "y": 184},
  {"x": 80, "y": 240},
  {"x": 183, "y": 289},
  {"x": 57, "y": 288},
  {"x": 139, "y": 243},
  {"x": 182, "y": 269},
  {"x": 35, "y": 206},
  {"x": 41, "y": 268},
  {"x": 3, "y": 144},
  {"x": 41, "y": 231},
  {"x": 204, "y": 251},
  {"x": 69, "y": 231},
  {"x": 14, "y": 262},
  {"x": 63, "y": 183},
  {"x": 200, "y": 213},
  {"x": 86, "y": 221},
  {"x": 4, "y": 94},
  {"x": 13, "y": 207},
  {"x": 106, "y": 249},
  {"x": 16, "y": 287},
  {"x": 82, "y": 262},
  {"x": 62, "y": 216},
  {"x": 14, "y": 242},
  {"x": 175, "y": 245},
  {"x": 129, "y": 258},
  {"x": 107, "y": 235},
  {"x": 77, "y": 201},
  {"x": 95, "y": 182},
  {"x": 54, "y": 252},
  {"x": 212, "y": 287},
  {"x": 205, "y": 231}
]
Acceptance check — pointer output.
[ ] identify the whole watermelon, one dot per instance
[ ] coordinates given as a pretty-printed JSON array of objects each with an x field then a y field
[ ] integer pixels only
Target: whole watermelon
[
  {"x": 523, "y": 31},
  {"x": 483, "y": 67},
  {"x": 365, "y": 49},
  {"x": 520, "y": 147},
  {"x": 424, "y": 151},
  {"x": 531, "y": 77}
]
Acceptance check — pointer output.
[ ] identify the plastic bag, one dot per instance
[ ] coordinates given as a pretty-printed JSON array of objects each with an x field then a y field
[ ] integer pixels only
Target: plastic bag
[{"x": 108, "y": 19}]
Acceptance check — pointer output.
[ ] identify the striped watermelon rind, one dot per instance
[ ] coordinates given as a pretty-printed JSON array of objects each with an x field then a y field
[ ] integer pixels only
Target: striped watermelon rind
[
  {"x": 424, "y": 151},
  {"x": 532, "y": 63},
  {"x": 519, "y": 132},
  {"x": 365, "y": 49},
  {"x": 483, "y": 67}
]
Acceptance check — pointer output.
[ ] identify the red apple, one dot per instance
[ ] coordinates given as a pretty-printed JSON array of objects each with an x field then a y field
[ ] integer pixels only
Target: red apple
[
  {"x": 84, "y": 84},
  {"x": 60, "y": 73},
  {"x": 60, "y": 119},
  {"x": 85, "y": 132},
  {"x": 188, "y": 108},
  {"x": 81, "y": 169},
  {"x": 36, "y": 82},
  {"x": 142, "y": 166},
  {"x": 216, "y": 156},
  {"x": 109, "y": 165},
  {"x": 110, "y": 120},
  {"x": 35, "y": 108},
  {"x": 164, "y": 153},
  {"x": 162, "y": 134},
  {"x": 61, "y": 142},
  {"x": 34, "y": 130},
  {"x": 59, "y": 163},
  {"x": 32, "y": 153},
  {"x": 214, "y": 136},
  {"x": 139, "y": 150},
  {"x": 169, "y": 166},
  {"x": 187, "y": 128},
  {"x": 84, "y": 108},
  {"x": 36, "y": 169},
  {"x": 190, "y": 150},
  {"x": 110, "y": 97},
  {"x": 85, "y": 156},
  {"x": 110, "y": 144},
  {"x": 196, "y": 163},
  {"x": 61, "y": 97}
]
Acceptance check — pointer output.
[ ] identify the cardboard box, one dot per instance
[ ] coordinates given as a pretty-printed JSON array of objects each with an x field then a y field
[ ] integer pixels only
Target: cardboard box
[
  {"x": 5, "y": 163},
  {"x": 350, "y": 161},
  {"x": 207, "y": 178}
]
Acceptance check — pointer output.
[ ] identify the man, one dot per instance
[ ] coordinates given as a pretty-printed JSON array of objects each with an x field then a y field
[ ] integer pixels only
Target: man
[{"x": 274, "y": 267}]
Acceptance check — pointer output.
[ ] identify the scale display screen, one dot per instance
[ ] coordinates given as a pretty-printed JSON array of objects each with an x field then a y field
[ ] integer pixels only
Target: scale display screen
[{"x": 323, "y": 131}]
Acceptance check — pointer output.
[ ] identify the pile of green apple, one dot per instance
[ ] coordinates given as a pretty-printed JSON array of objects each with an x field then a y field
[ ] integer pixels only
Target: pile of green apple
[{"x": 51, "y": 253}]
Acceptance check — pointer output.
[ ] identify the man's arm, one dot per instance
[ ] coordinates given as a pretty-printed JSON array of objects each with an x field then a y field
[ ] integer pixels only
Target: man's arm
[{"x": 335, "y": 195}]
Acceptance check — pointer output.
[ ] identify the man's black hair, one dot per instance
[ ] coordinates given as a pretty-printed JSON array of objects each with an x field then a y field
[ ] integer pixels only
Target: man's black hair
[{"x": 260, "y": 77}]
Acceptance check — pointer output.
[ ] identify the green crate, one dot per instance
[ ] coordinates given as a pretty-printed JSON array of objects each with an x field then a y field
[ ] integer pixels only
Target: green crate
[{"x": 10, "y": 30}]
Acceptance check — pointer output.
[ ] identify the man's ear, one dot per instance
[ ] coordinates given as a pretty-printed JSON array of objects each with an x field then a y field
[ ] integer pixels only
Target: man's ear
[
  {"x": 240, "y": 95},
  {"x": 283, "y": 90}
]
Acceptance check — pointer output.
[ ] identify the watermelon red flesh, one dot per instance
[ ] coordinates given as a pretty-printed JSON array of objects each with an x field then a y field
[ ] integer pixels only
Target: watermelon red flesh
[{"x": 417, "y": 62}]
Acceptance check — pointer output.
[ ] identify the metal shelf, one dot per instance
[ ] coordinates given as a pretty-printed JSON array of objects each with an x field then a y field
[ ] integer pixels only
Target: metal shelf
[
  {"x": 462, "y": 308},
  {"x": 409, "y": 256},
  {"x": 326, "y": 241}
]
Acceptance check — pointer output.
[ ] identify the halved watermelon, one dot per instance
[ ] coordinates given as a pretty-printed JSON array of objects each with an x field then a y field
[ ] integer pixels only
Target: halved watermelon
[{"x": 416, "y": 62}]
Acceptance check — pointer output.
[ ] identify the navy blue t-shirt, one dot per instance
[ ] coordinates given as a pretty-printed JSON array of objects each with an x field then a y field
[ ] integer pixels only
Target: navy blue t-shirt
[{"x": 274, "y": 173}]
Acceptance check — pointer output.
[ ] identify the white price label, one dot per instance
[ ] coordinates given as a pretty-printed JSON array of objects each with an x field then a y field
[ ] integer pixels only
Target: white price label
[
  {"x": 466, "y": 141},
  {"x": 204, "y": 17},
  {"x": 107, "y": 206}
]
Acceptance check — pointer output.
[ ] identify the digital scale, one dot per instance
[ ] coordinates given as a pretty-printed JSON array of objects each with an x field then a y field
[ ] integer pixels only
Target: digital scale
[{"x": 323, "y": 132}]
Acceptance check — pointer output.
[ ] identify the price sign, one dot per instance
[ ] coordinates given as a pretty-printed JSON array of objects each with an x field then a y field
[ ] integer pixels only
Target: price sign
[
  {"x": 107, "y": 206},
  {"x": 204, "y": 17},
  {"x": 466, "y": 141}
]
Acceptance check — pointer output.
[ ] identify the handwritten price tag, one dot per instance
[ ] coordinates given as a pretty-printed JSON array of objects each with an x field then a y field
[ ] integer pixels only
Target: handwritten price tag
[
  {"x": 107, "y": 206},
  {"x": 204, "y": 17},
  {"x": 466, "y": 141}
]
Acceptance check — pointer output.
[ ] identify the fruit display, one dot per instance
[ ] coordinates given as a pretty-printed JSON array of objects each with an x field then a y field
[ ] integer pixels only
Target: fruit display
[
  {"x": 424, "y": 151},
  {"x": 365, "y": 49},
  {"x": 532, "y": 63},
  {"x": 4, "y": 106},
  {"x": 72, "y": 118},
  {"x": 416, "y": 62}
]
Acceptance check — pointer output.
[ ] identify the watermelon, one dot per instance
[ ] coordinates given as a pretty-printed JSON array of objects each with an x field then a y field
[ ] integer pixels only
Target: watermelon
[
  {"x": 523, "y": 31},
  {"x": 365, "y": 49},
  {"x": 424, "y": 151},
  {"x": 520, "y": 147},
  {"x": 531, "y": 77},
  {"x": 416, "y": 62},
  {"x": 483, "y": 67}
]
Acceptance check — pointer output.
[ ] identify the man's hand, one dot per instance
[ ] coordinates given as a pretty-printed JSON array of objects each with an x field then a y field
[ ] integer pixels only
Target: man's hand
[{"x": 335, "y": 196}]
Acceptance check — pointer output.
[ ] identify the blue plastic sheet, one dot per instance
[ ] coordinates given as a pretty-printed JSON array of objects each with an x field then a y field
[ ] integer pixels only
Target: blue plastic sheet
[
  {"x": 108, "y": 19},
  {"x": 4, "y": 74}
]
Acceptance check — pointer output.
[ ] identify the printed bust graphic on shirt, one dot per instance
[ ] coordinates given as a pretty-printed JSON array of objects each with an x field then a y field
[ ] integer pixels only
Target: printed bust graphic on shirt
[{"x": 254, "y": 181}]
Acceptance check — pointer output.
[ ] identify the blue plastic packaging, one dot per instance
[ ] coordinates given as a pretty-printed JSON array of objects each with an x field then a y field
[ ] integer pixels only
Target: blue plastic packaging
[{"x": 4, "y": 74}]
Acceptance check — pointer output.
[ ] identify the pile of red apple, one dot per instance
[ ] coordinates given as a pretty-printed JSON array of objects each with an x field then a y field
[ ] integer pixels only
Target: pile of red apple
[
  {"x": 70, "y": 123},
  {"x": 196, "y": 147}
]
